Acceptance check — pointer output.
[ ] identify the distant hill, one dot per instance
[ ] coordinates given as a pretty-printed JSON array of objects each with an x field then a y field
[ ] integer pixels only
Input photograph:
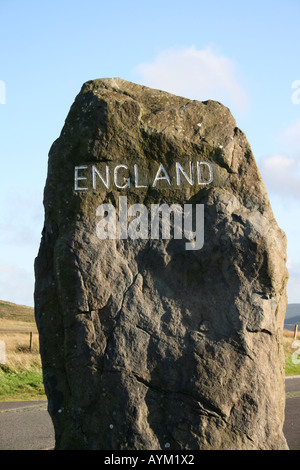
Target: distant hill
[
  {"x": 11, "y": 311},
  {"x": 289, "y": 324},
  {"x": 292, "y": 317},
  {"x": 293, "y": 320},
  {"x": 292, "y": 310}
]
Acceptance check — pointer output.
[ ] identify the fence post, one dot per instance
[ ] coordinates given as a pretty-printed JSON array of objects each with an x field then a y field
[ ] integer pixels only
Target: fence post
[
  {"x": 295, "y": 331},
  {"x": 30, "y": 342}
]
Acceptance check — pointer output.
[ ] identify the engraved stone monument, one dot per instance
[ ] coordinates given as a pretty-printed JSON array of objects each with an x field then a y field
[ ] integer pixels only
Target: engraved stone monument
[{"x": 160, "y": 279}]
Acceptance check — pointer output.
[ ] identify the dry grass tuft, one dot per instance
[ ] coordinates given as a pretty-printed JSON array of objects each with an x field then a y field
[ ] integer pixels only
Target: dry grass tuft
[{"x": 18, "y": 354}]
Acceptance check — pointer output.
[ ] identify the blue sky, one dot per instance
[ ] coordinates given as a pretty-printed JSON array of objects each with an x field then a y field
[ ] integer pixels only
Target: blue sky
[{"x": 244, "y": 55}]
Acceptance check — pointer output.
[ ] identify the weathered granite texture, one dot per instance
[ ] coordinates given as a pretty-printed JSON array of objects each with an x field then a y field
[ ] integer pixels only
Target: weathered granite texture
[{"x": 144, "y": 344}]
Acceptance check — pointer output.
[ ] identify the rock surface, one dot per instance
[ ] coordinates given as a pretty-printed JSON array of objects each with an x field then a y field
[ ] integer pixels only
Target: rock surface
[{"x": 145, "y": 344}]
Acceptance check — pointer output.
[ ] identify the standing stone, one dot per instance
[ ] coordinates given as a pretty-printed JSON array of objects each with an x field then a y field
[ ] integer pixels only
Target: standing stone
[
  {"x": 2, "y": 352},
  {"x": 148, "y": 343}
]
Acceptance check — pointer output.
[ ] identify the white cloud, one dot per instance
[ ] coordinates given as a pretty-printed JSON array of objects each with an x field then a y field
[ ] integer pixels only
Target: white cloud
[
  {"x": 195, "y": 74},
  {"x": 281, "y": 174}
]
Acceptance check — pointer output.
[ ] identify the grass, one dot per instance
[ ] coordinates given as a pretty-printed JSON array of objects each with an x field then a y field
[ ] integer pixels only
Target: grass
[
  {"x": 21, "y": 384},
  {"x": 21, "y": 375},
  {"x": 16, "y": 317},
  {"x": 15, "y": 312}
]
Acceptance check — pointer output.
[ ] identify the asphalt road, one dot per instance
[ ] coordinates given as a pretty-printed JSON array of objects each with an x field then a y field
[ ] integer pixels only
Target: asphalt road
[
  {"x": 27, "y": 425},
  {"x": 292, "y": 412}
]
